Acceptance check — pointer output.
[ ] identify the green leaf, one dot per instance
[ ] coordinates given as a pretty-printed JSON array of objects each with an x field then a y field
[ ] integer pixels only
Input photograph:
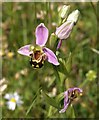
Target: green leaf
[
  {"x": 34, "y": 99},
  {"x": 59, "y": 97},
  {"x": 50, "y": 100},
  {"x": 69, "y": 63},
  {"x": 50, "y": 111},
  {"x": 72, "y": 111},
  {"x": 61, "y": 68}
]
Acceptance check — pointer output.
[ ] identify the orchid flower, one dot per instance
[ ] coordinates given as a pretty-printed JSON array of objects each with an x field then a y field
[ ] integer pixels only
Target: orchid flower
[
  {"x": 69, "y": 96},
  {"x": 39, "y": 53},
  {"x": 13, "y": 100},
  {"x": 63, "y": 31}
]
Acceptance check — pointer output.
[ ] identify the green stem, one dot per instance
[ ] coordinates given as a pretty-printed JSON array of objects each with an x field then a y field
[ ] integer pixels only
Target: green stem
[
  {"x": 84, "y": 83},
  {"x": 94, "y": 10}
]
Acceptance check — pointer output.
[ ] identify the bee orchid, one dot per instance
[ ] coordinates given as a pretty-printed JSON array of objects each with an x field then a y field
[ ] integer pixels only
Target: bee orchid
[
  {"x": 39, "y": 53},
  {"x": 69, "y": 96}
]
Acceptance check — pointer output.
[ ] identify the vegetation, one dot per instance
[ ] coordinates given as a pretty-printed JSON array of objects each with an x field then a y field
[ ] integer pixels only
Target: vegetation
[{"x": 41, "y": 89}]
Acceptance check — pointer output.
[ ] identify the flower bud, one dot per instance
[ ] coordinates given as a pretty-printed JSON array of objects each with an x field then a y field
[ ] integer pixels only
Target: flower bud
[
  {"x": 73, "y": 16},
  {"x": 63, "y": 31},
  {"x": 64, "y": 11},
  {"x": 91, "y": 75}
]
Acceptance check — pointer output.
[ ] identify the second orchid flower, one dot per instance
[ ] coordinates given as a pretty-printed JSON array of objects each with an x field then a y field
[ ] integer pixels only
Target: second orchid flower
[{"x": 69, "y": 96}]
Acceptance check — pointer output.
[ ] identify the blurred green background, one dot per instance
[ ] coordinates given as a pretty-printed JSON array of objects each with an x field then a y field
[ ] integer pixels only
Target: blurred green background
[{"x": 19, "y": 21}]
